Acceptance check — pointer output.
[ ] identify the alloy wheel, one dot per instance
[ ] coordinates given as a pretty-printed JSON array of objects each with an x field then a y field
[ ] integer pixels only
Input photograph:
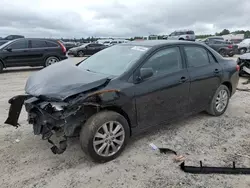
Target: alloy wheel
[
  {"x": 109, "y": 138},
  {"x": 221, "y": 100}
]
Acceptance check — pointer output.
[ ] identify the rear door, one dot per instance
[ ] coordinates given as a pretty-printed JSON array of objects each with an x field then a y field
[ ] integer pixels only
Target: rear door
[
  {"x": 205, "y": 76},
  {"x": 37, "y": 51},
  {"x": 91, "y": 49},
  {"x": 16, "y": 53}
]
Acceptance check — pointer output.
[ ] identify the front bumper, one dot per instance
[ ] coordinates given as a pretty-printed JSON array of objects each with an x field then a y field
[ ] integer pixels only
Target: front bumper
[
  {"x": 48, "y": 119},
  {"x": 74, "y": 53}
]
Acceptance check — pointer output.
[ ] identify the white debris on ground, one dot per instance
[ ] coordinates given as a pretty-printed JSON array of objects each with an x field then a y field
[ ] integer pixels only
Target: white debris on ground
[{"x": 217, "y": 141}]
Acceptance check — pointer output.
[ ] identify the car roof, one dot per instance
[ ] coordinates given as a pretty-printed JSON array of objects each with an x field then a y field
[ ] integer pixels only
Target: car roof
[
  {"x": 35, "y": 39},
  {"x": 151, "y": 43}
]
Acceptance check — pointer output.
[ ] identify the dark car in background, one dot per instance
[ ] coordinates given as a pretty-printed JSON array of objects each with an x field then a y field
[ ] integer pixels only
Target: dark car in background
[
  {"x": 69, "y": 45},
  {"x": 86, "y": 49},
  {"x": 10, "y": 37},
  {"x": 223, "y": 47},
  {"x": 31, "y": 52},
  {"x": 124, "y": 90}
]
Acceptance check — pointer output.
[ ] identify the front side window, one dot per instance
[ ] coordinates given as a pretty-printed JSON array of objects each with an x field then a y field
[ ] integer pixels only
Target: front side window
[
  {"x": 196, "y": 56},
  {"x": 19, "y": 45},
  {"x": 114, "y": 60},
  {"x": 165, "y": 61}
]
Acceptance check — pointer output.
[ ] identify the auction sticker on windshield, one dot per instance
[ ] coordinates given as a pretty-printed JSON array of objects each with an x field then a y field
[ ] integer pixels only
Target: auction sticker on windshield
[{"x": 140, "y": 48}]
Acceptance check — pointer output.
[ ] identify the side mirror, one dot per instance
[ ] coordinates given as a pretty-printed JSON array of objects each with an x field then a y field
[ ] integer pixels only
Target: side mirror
[
  {"x": 8, "y": 49},
  {"x": 145, "y": 73}
]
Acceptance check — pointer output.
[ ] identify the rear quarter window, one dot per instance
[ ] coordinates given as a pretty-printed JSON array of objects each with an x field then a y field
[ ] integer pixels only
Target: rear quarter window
[{"x": 51, "y": 44}]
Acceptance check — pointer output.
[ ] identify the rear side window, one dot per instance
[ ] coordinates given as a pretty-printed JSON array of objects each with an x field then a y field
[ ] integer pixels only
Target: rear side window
[
  {"x": 19, "y": 45},
  {"x": 51, "y": 44},
  {"x": 211, "y": 58},
  {"x": 196, "y": 56},
  {"x": 38, "y": 44},
  {"x": 165, "y": 61}
]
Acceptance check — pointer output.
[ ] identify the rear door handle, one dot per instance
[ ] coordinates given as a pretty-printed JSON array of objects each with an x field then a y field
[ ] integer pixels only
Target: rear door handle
[
  {"x": 183, "y": 79},
  {"x": 216, "y": 71}
]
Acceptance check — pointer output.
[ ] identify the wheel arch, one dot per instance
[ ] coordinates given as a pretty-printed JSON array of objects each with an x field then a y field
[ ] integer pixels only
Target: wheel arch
[
  {"x": 119, "y": 111},
  {"x": 1, "y": 61}
]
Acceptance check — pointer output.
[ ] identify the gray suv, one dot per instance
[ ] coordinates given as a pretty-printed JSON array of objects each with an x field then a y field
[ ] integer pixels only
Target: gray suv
[{"x": 182, "y": 35}]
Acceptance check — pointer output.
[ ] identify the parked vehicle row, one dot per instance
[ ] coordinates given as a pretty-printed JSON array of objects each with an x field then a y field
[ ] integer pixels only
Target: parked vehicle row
[
  {"x": 223, "y": 47},
  {"x": 124, "y": 90},
  {"x": 86, "y": 49},
  {"x": 31, "y": 52}
]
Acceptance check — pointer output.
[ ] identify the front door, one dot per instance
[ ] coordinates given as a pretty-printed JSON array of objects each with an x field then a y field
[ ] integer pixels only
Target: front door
[
  {"x": 165, "y": 95},
  {"x": 16, "y": 53},
  {"x": 205, "y": 76}
]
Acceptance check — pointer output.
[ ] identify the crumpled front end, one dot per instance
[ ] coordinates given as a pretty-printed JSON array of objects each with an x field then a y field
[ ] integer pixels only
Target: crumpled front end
[
  {"x": 56, "y": 121},
  {"x": 244, "y": 63}
]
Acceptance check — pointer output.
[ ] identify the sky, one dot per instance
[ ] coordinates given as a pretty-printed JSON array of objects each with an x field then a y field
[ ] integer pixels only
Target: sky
[{"x": 120, "y": 18}]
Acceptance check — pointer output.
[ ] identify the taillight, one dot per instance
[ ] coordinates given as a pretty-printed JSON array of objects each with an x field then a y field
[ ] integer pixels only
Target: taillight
[
  {"x": 230, "y": 46},
  {"x": 237, "y": 67},
  {"x": 63, "y": 47}
]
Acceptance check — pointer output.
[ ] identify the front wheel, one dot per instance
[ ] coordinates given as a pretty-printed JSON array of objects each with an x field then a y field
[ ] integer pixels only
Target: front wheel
[
  {"x": 219, "y": 103},
  {"x": 104, "y": 136},
  {"x": 80, "y": 53}
]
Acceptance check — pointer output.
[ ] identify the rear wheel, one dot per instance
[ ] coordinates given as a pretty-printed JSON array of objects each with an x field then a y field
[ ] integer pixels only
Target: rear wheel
[
  {"x": 104, "y": 136},
  {"x": 220, "y": 101},
  {"x": 51, "y": 60}
]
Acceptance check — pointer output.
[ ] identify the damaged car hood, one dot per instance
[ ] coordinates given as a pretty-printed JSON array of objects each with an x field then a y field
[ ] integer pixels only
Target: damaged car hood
[{"x": 62, "y": 80}]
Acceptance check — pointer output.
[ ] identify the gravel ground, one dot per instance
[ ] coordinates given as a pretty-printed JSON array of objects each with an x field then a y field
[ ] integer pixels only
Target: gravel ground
[{"x": 214, "y": 140}]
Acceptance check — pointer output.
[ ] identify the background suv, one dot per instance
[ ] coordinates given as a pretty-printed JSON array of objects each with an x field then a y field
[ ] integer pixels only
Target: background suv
[
  {"x": 182, "y": 35},
  {"x": 31, "y": 52}
]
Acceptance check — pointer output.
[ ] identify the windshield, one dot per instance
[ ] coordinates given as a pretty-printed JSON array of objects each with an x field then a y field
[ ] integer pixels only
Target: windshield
[
  {"x": 114, "y": 60},
  {"x": 84, "y": 45}
]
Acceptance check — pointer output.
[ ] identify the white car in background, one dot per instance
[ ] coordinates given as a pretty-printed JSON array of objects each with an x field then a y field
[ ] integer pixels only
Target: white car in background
[
  {"x": 244, "y": 46},
  {"x": 182, "y": 35}
]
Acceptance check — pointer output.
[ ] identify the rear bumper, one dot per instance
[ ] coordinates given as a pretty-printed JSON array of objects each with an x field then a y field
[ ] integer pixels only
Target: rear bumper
[
  {"x": 234, "y": 81},
  {"x": 63, "y": 57}
]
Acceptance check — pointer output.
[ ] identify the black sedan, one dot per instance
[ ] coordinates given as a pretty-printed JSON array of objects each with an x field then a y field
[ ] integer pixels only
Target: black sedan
[
  {"x": 123, "y": 90},
  {"x": 86, "y": 49}
]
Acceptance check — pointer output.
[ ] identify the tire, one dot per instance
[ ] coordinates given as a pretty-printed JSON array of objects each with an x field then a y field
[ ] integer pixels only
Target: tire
[
  {"x": 1, "y": 67},
  {"x": 181, "y": 39},
  {"x": 95, "y": 124},
  {"x": 212, "y": 110},
  {"x": 242, "y": 50},
  {"x": 80, "y": 53},
  {"x": 50, "y": 60},
  {"x": 230, "y": 54},
  {"x": 223, "y": 53}
]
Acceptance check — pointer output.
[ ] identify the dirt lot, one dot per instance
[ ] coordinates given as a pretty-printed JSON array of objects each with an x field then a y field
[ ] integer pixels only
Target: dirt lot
[{"x": 214, "y": 140}]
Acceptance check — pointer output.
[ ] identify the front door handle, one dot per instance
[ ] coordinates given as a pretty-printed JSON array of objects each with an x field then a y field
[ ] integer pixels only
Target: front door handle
[{"x": 183, "y": 79}]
